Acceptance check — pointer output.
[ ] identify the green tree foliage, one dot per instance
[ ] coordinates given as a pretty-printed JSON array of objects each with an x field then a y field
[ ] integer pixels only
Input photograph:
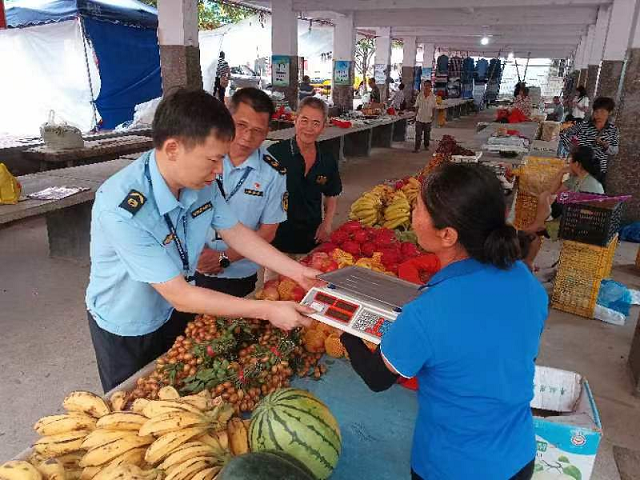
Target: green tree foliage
[{"x": 212, "y": 14}]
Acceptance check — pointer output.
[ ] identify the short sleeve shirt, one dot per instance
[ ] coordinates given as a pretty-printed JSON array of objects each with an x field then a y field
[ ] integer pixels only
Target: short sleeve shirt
[
  {"x": 587, "y": 184},
  {"x": 259, "y": 198},
  {"x": 471, "y": 338},
  {"x": 132, "y": 246},
  {"x": 296, "y": 235}
]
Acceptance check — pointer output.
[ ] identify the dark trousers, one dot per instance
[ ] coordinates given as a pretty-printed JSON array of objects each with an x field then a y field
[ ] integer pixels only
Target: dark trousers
[
  {"x": 120, "y": 357},
  {"x": 219, "y": 90},
  {"x": 238, "y": 287},
  {"x": 525, "y": 474},
  {"x": 422, "y": 129}
]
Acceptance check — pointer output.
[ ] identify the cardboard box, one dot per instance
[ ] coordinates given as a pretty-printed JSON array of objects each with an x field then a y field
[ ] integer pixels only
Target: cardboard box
[{"x": 567, "y": 425}]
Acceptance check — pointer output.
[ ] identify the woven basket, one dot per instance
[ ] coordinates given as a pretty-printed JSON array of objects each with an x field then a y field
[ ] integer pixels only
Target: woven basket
[
  {"x": 537, "y": 172},
  {"x": 526, "y": 209},
  {"x": 581, "y": 269}
]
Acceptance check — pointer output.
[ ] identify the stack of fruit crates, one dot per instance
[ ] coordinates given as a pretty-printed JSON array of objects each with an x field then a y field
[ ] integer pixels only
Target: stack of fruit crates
[{"x": 581, "y": 269}]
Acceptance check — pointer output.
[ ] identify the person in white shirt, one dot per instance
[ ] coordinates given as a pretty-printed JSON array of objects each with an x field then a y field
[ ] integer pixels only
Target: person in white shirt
[
  {"x": 425, "y": 111},
  {"x": 580, "y": 105},
  {"x": 398, "y": 98}
]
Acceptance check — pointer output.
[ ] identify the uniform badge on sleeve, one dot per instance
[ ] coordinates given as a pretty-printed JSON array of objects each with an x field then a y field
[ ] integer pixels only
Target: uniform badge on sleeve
[
  {"x": 321, "y": 180},
  {"x": 285, "y": 201},
  {"x": 133, "y": 202},
  {"x": 201, "y": 209},
  {"x": 275, "y": 164}
]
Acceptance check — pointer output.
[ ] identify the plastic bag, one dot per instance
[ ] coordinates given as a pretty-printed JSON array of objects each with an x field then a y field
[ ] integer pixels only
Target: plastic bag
[
  {"x": 607, "y": 315},
  {"x": 10, "y": 188},
  {"x": 144, "y": 113},
  {"x": 631, "y": 233},
  {"x": 60, "y": 136},
  {"x": 550, "y": 131},
  {"x": 616, "y": 296}
]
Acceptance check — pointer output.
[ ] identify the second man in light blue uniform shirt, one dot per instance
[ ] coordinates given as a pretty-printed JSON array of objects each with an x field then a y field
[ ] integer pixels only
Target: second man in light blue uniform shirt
[{"x": 255, "y": 188}]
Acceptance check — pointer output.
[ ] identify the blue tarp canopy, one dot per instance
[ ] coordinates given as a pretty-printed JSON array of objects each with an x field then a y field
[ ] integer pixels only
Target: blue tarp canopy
[
  {"x": 24, "y": 13},
  {"x": 124, "y": 38}
]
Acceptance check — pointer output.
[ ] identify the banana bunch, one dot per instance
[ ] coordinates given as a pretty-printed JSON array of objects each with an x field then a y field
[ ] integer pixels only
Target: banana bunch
[
  {"x": 238, "y": 436},
  {"x": 366, "y": 209},
  {"x": 190, "y": 438},
  {"x": 19, "y": 470},
  {"x": 411, "y": 190},
  {"x": 127, "y": 471},
  {"x": 398, "y": 211}
]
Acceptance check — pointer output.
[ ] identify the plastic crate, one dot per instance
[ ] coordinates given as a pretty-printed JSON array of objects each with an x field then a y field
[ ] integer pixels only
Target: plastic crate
[
  {"x": 581, "y": 269},
  {"x": 595, "y": 223},
  {"x": 526, "y": 210}
]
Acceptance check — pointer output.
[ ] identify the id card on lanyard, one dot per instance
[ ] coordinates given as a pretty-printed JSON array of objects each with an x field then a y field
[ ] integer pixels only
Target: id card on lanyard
[
  {"x": 233, "y": 192},
  {"x": 182, "y": 249}
]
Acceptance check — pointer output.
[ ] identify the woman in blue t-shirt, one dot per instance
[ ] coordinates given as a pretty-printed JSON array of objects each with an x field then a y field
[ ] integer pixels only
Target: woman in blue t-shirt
[{"x": 471, "y": 338}]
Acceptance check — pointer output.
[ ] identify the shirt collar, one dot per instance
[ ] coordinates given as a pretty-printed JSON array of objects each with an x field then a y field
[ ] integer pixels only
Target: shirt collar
[
  {"x": 165, "y": 200},
  {"x": 456, "y": 269},
  {"x": 252, "y": 161}
]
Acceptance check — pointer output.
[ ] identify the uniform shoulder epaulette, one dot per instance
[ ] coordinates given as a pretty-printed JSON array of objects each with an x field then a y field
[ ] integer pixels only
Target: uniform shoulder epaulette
[
  {"x": 274, "y": 164},
  {"x": 133, "y": 202}
]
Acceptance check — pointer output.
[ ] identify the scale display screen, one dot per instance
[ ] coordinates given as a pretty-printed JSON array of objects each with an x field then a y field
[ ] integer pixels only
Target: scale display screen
[{"x": 338, "y": 309}]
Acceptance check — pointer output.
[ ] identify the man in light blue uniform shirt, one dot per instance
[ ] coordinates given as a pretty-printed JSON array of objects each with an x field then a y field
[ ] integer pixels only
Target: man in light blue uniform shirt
[
  {"x": 255, "y": 188},
  {"x": 149, "y": 224}
]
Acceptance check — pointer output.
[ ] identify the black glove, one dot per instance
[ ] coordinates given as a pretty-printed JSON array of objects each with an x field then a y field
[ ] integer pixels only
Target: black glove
[{"x": 368, "y": 365}]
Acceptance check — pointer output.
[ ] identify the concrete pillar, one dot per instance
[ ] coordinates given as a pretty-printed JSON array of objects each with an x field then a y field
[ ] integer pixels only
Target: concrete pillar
[
  {"x": 584, "y": 73},
  {"x": 622, "y": 176},
  {"x": 428, "y": 52},
  {"x": 382, "y": 62},
  {"x": 615, "y": 49},
  {"x": 409, "y": 51},
  {"x": 344, "y": 44},
  {"x": 578, "y": 61},
  {"x": 597, "y": 49},
  {"x": 178, "y": 40},
  {"x": 284, "y": 48}
]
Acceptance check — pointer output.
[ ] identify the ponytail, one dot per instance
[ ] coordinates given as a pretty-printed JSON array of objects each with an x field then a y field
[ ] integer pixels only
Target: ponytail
[{"x": 502, "y": 248}]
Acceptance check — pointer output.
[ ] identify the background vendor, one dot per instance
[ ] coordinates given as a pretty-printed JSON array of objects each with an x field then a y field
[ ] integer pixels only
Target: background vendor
[
  {"x": 148, "y": 227},
  {"x": 471, "y": 337},
  {"x": 313, "y": 182},
  {"x": 254, "y": 186}
]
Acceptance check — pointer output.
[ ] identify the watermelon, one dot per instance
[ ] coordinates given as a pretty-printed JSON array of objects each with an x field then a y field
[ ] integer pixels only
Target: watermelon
[
  {"x": 267, "y": 465},
  {"x": 296, "y": 422}
]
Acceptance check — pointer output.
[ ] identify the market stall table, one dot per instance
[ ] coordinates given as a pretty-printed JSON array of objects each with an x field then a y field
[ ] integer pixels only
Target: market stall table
[
  {"x": 93, "y": 151},
  {"x": 68, "y": 219},
  {"x": 455, "y": 107},
  {"x": 528, "y": 130}
]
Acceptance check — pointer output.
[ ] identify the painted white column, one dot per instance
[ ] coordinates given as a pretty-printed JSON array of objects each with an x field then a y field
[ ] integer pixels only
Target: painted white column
[
  {"x": 383, "y": 46},
  {"x": 409, "y": 52},
  {"x": 589, "y": 46},
  {"x": 599, "y": 39},
  {"x": 178, "y": 40},
  {"x": 620, "y": 28},
  {"x": 428, "y": 52},
  {"x": 178, "y": 22},
  {"x": 344, "y": 44},
  {"x": 577, "y": 65},
  {"x": 284, "y": 28},
  {"x": 635, "y": 39}
]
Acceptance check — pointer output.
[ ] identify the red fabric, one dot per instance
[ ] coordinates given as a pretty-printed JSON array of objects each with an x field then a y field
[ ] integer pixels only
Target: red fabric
[
  {"x": 502, "y": 114},
  {"x": 279, "y": 112},
  {"x": 391, "y": 111},
  {"x": 3, "y": 18},
  {"x": 341, "y": 123},
  {"x": 410, "y": 383},
  {"x": 517, "y": 116},
  {"x": 419, "y": 269}
]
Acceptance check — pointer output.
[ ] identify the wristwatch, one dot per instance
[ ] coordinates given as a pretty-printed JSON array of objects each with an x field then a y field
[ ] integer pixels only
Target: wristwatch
[{"x": 224, "y": 260}]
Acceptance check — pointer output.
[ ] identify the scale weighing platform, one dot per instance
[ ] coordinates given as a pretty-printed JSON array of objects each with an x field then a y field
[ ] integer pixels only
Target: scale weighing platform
[{"x": 360, "y": 301}]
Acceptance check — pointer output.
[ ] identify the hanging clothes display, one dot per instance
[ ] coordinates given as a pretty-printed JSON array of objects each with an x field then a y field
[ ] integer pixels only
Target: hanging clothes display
[
  {"x": 481, "y": 70},
  {"x": 455, "y": 67},
  {"x": 442, "y": 65}
]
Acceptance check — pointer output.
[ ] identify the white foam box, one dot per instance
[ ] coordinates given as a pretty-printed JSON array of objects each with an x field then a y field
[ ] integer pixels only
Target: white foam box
[{"x": 568, "y": 434}]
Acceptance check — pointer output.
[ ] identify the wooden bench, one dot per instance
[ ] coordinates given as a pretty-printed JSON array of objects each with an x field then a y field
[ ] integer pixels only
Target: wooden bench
[
  {"x": 92, "y": 152},
  {"x": 68, "y": 219}
]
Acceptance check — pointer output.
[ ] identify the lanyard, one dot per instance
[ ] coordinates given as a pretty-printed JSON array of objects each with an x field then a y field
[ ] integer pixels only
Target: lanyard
[
  {"x": 237, "y": 187},
  {"x": 182, "y": 250}
]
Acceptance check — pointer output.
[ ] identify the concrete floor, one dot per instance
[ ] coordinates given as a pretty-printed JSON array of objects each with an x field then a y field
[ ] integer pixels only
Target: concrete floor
[{"x": 45, "y": 348}]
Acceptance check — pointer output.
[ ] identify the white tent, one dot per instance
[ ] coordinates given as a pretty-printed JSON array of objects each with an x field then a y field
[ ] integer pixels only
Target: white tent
[{"x": 44, "y": 68}]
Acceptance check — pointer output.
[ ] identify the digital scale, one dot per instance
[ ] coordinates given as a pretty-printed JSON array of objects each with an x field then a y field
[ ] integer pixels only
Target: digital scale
[{"x": 360, "y": 301}]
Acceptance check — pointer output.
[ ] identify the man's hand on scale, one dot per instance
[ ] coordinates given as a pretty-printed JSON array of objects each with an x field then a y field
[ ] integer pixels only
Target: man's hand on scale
[
  {"x": 287, "y": 315},
  {"x": 306, "y": 277}
]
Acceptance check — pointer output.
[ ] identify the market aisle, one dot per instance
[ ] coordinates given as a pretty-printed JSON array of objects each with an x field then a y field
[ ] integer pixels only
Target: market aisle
[{"x": 46, "y": 351}]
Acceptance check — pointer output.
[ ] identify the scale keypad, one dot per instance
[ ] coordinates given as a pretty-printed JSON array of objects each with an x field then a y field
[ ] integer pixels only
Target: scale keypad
[{"x": 371, "y": 323}]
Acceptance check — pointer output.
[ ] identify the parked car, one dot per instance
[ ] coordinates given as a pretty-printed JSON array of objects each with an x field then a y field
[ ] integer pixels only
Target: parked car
[{"x": 243, "y": 76}]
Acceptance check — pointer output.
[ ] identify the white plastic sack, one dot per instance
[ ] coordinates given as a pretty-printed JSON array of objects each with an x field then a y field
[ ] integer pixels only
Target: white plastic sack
[
  {"x": 608, "y": 315},
  {"x": 43, "y": 68},
  {"x": 144, "y": 113}
]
